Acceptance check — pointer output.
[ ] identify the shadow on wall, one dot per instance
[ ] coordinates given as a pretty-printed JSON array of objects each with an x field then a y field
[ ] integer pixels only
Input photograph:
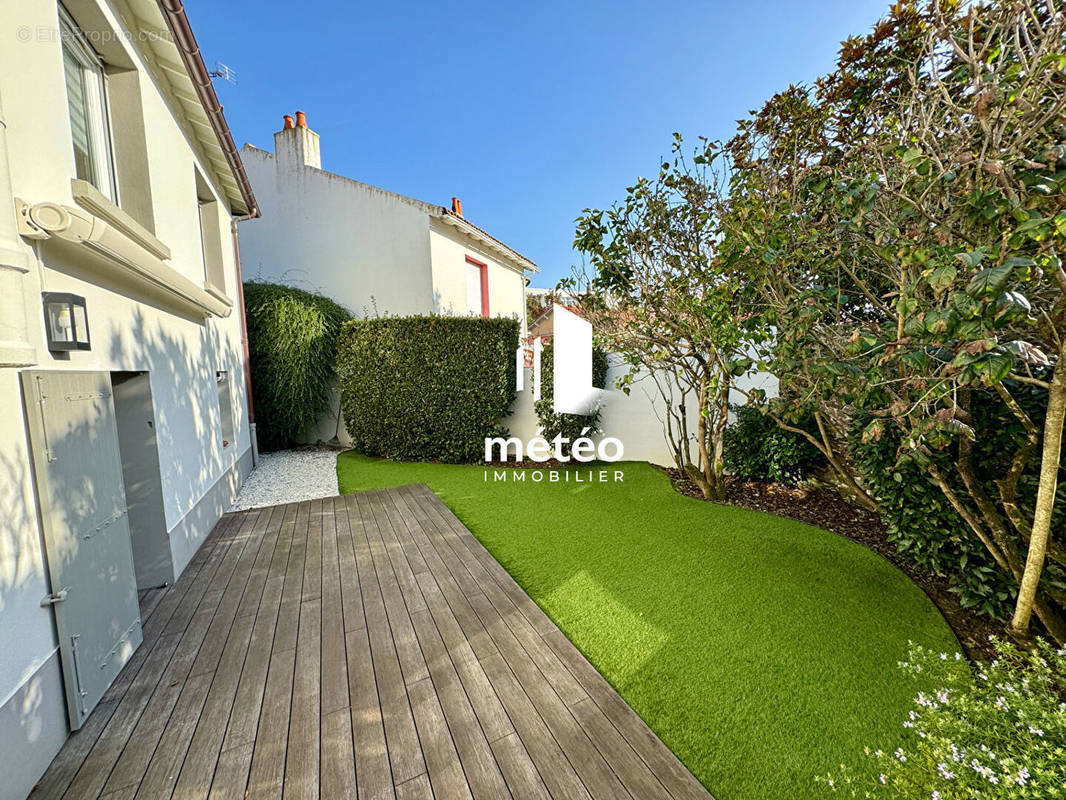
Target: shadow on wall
[
  {"x": 186, "y": 397},
  {"x": 182, "y": 370},
  {"x": 20, "y": 543}
]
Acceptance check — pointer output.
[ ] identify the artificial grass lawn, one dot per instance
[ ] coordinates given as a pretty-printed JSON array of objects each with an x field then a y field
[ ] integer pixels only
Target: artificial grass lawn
[{"x": 762, "y": 651}]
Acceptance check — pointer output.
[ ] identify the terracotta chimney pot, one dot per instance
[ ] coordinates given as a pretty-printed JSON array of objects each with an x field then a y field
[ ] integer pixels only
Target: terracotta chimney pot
[
  {"x": 301, "y": 119},
  {"x": 457, "y": 206},
  {"x": 288, "y": 123}
]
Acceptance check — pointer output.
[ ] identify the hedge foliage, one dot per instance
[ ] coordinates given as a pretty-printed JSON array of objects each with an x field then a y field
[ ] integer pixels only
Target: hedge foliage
[
  {"x": 427, "y": 388},
  {"x": 292, "y": 343},
  {"x": 756, "y": 449},
  {"x": 920, "y": 520},
  {"x": 570, "y": 426},
  {"x": 924, "y": 528}
]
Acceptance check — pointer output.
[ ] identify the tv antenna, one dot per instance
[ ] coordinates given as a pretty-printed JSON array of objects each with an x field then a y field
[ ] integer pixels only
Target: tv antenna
[{"x": 224, "y": 72}]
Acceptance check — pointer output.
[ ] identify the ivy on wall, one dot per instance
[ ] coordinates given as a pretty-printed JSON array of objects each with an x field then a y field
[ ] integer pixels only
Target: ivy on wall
[{"x": 292, "y": 344}]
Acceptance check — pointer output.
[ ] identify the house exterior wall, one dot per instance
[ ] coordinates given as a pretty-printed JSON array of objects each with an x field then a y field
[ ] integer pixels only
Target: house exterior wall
[
  {"x": 361, "y": 246},
  {"x": 132, "y": 329},
  {"x": 448, "y": 251},
  {"x": 373, "y": 251}
]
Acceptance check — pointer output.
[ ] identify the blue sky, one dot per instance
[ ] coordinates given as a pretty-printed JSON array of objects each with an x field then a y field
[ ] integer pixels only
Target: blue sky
[{"x": 529, "y": 112}]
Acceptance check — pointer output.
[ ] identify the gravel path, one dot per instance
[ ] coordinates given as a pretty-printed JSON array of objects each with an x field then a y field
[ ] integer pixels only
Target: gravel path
[{"x": 286, "y": 476}]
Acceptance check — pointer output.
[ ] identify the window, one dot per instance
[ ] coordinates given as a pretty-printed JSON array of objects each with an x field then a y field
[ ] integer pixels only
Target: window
[
  {"x": 225, "y": 407},
  {"x": 86, "y": 100},
  {"x": 477, "y": 287},
  {"x": 210, "y": 235}
]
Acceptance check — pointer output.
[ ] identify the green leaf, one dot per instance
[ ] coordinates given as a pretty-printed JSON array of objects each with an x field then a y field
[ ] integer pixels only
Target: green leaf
[
  {"x": 912, "y": 156},
  {"x": 994, "y": 367},
  {"x": 990, "y": 281},
  {"x": 972, "y": 259},
  {"x": 942, "y": 277}
]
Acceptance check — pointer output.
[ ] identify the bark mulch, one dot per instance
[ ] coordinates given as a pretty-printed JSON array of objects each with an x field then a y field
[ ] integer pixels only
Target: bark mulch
[{"x": 826, "y": 509}]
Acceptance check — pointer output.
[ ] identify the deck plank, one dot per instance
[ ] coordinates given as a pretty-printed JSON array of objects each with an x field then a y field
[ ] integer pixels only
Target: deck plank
[
  {"x": 373, "y": 770},
  {"x": 405, "y": 753},
  {"x": 359, "y": 646},
  {"x": 248, "y": 702},
  {"x": 302, "y": 752}
]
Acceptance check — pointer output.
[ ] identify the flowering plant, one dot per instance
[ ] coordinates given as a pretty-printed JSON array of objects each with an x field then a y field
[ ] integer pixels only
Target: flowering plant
[{"x": 999, "y": 733}]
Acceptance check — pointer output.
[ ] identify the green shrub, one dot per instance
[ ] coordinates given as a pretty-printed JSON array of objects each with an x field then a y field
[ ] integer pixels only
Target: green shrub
[
  {"x": 427, "y": 388},
  {"x": 923, "y": 526},
  {"x": 755, "y": 449},
  {"x": 292, "y": 343},
  {"x": 570, "y": 426},
  {"x": 1001, "y": 735}
]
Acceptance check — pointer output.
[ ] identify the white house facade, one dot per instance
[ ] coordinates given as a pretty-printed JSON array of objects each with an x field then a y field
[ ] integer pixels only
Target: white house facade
[
  {"x": 373, "y": 251},
  {"x": 125, "y": 431}
]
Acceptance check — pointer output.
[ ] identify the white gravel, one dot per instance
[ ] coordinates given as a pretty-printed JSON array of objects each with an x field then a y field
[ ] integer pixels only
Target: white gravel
[{"x": 287, "y": 476}]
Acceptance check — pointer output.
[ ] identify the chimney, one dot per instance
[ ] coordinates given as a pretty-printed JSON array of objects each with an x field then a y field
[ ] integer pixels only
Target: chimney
[
  {"x": 296, "y": 144},
  {"x": 457, "y": 206}
]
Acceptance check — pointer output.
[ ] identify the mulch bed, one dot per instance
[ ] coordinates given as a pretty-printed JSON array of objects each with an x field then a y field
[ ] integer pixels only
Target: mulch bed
[{"x": 826, "y": 509}]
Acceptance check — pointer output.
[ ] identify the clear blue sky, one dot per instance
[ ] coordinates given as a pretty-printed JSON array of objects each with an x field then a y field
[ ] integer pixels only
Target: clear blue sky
[{"x": 529, "y": 112}]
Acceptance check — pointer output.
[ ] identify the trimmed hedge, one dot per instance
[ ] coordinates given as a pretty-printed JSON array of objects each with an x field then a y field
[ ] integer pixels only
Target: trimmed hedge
[
  {"x": 292, "y": 343},
  {"x": 427, "y": 388}
]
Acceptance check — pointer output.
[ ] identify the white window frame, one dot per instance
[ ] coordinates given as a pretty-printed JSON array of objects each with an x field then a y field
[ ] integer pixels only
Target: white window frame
[{"x": 98, "y": 124}]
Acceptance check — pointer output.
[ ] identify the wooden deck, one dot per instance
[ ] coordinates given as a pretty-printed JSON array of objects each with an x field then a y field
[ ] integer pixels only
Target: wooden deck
[{"x": 358, "y": 646}]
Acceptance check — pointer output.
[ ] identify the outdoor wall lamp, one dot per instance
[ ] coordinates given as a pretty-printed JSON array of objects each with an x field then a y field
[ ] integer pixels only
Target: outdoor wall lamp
[{"x": 66, "y": 321}]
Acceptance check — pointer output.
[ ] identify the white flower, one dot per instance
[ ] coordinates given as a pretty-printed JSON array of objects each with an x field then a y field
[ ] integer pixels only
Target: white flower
[
  {"x": 883, "y": 778},
  {"x": 1036, "y": 731},
  {"x": 945, "y": 773},
  {"x": 1023, "y": 776},
  {"x": 900, "y": 755}
]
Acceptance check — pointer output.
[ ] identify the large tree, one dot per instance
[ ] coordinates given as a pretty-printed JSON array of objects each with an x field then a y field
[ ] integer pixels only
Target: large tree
[
  {"x": 654, "y": 297},
  {"x": 904, "y": 219}
]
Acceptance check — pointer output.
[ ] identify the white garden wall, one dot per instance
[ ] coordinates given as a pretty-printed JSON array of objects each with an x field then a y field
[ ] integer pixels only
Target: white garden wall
[{"x": 636, "y": 419}]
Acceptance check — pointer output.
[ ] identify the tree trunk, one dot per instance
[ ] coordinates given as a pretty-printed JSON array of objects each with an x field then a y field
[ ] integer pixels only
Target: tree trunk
[
  {"x": 720, "y": 425},
  {"x": 706, "y": 475},
  {"x": 1045, "y": 502},
  {"x": 851, "y": 485}
]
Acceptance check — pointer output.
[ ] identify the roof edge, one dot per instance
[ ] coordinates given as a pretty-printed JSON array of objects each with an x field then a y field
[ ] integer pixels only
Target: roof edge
[
  {"x": 460, "y": 221},
  {"x": 178, "y": 22}
]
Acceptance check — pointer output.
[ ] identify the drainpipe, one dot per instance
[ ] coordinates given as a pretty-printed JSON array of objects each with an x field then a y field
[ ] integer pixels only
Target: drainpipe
[
  {"x": 15, "y": 347},
  {"x": 244, "y": 336}
]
